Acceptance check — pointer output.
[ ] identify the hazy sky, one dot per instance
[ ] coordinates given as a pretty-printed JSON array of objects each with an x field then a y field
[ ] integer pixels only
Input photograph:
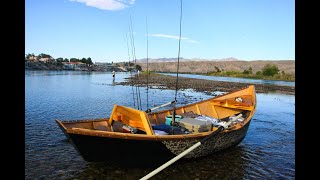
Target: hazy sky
[{"x": 212, "y": 29}]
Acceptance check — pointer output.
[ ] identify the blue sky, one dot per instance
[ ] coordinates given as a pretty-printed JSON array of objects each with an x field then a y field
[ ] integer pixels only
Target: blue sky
[{"x": 211, "y": 29}]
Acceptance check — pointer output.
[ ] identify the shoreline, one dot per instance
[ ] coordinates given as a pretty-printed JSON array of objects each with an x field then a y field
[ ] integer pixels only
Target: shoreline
[
  {"x": 245, "y": 77},
  {"x": 202, "y": 85},
  {"x": 41, "y": 66}
]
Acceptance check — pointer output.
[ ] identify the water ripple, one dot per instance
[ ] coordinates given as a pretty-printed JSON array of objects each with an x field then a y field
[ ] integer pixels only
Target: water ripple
[{"x": 267, "y": 152}]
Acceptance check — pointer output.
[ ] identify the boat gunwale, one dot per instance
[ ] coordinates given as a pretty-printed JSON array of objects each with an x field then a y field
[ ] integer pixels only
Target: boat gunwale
[
  {"x": 120, "y": 135},
  {"x": 192, "y": 104}
]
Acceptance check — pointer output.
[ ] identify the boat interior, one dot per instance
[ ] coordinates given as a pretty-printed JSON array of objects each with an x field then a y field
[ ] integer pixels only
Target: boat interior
[{"x": 220, "y": 107}]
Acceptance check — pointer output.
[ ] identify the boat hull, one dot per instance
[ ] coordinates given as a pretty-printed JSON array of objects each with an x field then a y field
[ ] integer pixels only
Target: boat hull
[
  {"x": 219, "y": 142},
  {"x": 122, "y": 152},
  {"x": 130, "y": 152},
  {"x": 106, "y": 140}
]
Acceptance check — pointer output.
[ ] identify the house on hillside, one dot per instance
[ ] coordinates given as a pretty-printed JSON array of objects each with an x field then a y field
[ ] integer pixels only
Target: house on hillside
[
  {"x": 80, "y": 66},
  {"x": 74, "y": 65},
  {"x": 33, "y": 58},
  {"x": 68, "y": 65},
  {"x": 47, "y": 60}
]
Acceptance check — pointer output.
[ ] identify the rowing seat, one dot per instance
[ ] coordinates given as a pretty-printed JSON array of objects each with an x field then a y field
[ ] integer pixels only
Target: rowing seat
[{"x": 132, "y": 117}]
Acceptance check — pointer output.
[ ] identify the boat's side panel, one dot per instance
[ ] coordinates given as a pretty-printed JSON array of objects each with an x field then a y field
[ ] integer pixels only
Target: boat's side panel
[
  {"x": 129, "y": 152},
  {"x": 217, "y": 143},
  {"x": 121, "y": 151}
]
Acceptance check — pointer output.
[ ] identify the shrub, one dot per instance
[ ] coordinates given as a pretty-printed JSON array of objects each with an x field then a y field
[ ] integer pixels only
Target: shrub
[
  {"x": 270, "y": 70},
  {"x": 246, "y": 72},
  {"x": 138, "y": 67}
]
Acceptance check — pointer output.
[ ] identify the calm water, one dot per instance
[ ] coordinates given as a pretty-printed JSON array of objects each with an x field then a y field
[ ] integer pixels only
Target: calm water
[
  {"x": 267, "y": 152},
  {"x": 232, "y": 79}
]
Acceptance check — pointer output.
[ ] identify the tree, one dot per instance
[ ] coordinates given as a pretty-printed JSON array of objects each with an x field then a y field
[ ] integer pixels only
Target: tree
[
  {"x": 66, "y": 60},
  {"x": 246, "y": 72},
  {"x": 42, "y": 55},
  {"x": 270, "y": 70},
  {"x": 83, "y": 60},
  {"x": 74, "y": 60},
  {"x": 249, "y": 71},
  {"x": 29, "y": 55},
  {"x": 258, "y": 73},
  {"x": 89, "y": 61},
  {"x": 138, "y": 67},
  {"x": 60, "y": 59}
]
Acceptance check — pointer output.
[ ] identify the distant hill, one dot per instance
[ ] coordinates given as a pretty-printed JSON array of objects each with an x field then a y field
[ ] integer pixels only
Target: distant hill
[
  {"x": 203, "y": 66},
  {"x": 150, "y": 60}
]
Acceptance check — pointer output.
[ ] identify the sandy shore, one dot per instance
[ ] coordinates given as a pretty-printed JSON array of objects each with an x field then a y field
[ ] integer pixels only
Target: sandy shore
[{"x": 202, "y": 85}]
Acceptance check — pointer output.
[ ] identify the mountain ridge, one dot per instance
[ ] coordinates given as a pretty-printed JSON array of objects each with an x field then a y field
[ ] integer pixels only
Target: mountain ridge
[
  {"x": 181, "y": 59},
  {"x": 288, "y": 66}
]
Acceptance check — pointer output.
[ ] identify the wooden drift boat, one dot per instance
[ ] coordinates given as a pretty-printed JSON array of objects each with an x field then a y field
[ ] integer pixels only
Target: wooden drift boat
[{"x": 109, "y": 139}]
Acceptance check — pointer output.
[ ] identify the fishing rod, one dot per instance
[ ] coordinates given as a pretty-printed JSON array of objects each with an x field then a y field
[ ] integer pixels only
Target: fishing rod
[
  {"x": 175, "y": 97},
  {"x": 147, "y": 65},
  {"x": 136, "y": 77},
  {"x": 134, "y": 102}
]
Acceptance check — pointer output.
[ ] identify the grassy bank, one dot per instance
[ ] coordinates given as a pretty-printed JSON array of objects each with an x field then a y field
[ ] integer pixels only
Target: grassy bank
[
  {"x": 281, "y": 77},
  {"x": 235, "y": 74}
]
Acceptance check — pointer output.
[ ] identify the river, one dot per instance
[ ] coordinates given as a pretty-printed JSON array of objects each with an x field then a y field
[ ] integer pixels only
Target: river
[{"x": 267, "y": 152}]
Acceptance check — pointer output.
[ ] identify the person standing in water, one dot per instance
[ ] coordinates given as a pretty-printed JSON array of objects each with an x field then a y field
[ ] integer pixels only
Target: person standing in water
[{"x": 113, "y": 77}]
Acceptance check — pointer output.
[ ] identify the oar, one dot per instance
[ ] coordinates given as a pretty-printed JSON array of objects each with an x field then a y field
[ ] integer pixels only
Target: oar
[
  {"x": 166, "y": 104},
  {"x": 214, "y": 133}
]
